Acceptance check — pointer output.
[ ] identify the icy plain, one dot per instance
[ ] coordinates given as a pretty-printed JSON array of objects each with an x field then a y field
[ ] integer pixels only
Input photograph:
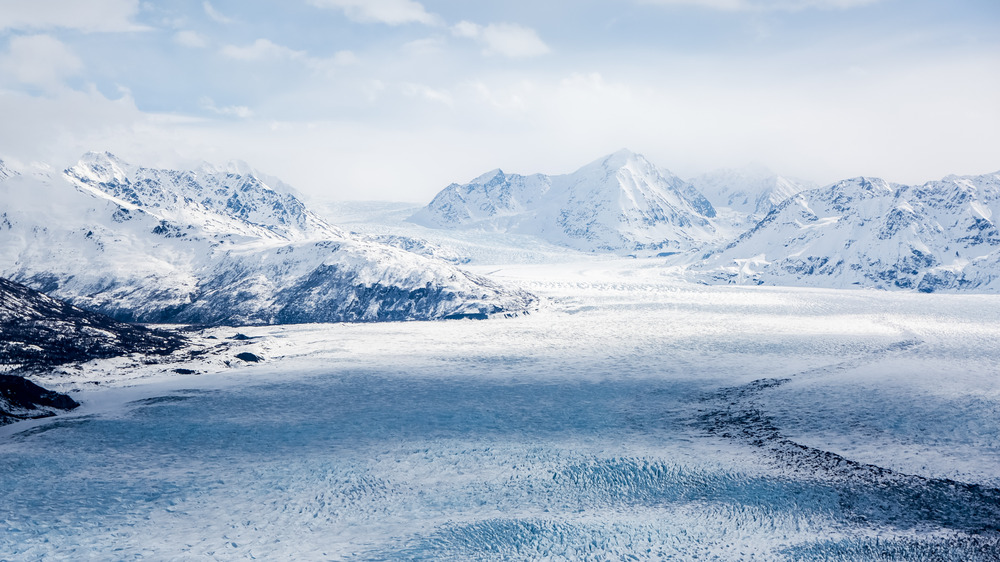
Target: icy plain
[{"x": 636, "y": 416}]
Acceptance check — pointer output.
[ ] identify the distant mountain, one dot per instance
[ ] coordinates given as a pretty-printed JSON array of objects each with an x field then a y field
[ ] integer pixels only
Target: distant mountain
[
  {"x": 749, "y": 193},
  {"x": 216, "y": 246},
  {"x": 867, "y": 232},
  {"x": 619, "y": 203}
]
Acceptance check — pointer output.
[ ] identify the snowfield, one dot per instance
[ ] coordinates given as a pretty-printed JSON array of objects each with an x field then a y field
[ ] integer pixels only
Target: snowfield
[{"x": 635, "y": 416}]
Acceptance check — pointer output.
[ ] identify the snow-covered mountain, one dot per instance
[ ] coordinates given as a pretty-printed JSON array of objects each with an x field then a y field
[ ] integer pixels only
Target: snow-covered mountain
[
  {"x": 6, "y": 171},
  {"x": 867, "y": 232},
  {"x": 745, "y": 195},
  {"x": 215, "y": 246},
  {"x": 233, "y": 199},
  {"x": 619, "y": 203}
]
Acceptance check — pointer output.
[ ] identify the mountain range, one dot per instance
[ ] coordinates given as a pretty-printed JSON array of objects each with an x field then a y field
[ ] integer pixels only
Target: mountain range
[
  {"x": 215, "y": 246},
  {"x": 749, "y": 225},
  {"x": 228, "y": 245},
  {"x": 867, "y": 232}
]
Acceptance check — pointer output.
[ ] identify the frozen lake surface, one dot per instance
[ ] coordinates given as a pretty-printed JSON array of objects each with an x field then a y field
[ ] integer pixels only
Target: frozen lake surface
[{"x": 634, "y": 417}]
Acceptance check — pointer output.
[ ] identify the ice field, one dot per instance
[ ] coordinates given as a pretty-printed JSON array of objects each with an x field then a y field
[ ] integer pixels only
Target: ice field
[{"x": 634, "y": 417}]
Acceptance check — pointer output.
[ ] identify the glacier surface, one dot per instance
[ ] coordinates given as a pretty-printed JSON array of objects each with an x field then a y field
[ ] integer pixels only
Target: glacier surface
[{"x": 635, "y": 416}]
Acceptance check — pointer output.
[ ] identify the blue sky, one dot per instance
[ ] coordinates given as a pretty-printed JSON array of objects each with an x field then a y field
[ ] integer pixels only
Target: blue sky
[{"x": 393, "y": 99}]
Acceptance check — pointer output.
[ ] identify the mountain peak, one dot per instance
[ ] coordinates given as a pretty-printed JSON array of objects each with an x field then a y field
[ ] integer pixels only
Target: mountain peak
[
  {"x": 864, "y": 187},
  {"x": 232, "y": 199},
  {"x": 488, "y": 177},
  {"x": 620, "y": 202},
  {"x": 622, "y": 159}
]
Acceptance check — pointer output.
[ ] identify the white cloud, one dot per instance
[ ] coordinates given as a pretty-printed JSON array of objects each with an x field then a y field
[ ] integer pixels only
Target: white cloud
[
  {"x": 507, "y": 39},
  {"x": 466, "y": 29},
  {"x": 343, "y": 58},
  {"x": 240, "y": 111},
  {"x": 392, "y": 12},
  {"x": 425, "y": 46},
  {"x": 214, "y": 14},
  {"x": 191, "y": 39},
  {"x": 39, "y": 60},
  {"x": 90, "y": 16},
  {"x": 766, "y": 5},
  {"x": 265, "y": 50},
  {"x": 262, "y": 50},
  {"x": 427, "y": 93}
]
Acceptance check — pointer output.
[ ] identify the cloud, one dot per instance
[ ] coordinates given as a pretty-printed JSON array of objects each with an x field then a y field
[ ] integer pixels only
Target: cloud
[
  {"x": 262, "y": 50},
  {"x": 240, "y": 111},
  {"x": 90, "y": 16},
  {"x": 39, "y": 60},
  {"x": 391, "y": 12},
  {"x": 214, "y": 14},
  {"x": 191, "y": 39},
  {"x": 265, "y": 50},
  {"x": 506, "y": 39},
  {"x": 425, "y": 46},
  {"x": 427, "y": 93},
  {"x": 765, "y": 5}
]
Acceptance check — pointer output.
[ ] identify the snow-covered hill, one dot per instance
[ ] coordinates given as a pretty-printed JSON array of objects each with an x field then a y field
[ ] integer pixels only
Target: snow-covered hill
[
  {"x": 215, "y": 247},
  {"x": 619, "y": 203},
  {"x": 867, "y": 232}
]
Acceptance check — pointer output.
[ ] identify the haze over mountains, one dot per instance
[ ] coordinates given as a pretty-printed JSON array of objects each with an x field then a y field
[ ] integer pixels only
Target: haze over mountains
[{"x": 215, "y": 246}]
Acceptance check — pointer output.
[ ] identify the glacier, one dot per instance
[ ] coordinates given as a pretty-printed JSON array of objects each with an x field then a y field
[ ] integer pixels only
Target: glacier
[{"x": 634, "y": 416}]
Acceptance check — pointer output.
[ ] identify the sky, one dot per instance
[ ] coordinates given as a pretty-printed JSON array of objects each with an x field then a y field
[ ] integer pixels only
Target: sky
[{"x": 395, "y": 99}]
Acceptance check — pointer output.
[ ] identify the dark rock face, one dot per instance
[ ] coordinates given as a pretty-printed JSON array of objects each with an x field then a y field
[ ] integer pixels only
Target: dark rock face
[
  {"x": 37, "y": 330},
  {"x": 21, "y": 399},
  {"x": 248, "y": 357}
]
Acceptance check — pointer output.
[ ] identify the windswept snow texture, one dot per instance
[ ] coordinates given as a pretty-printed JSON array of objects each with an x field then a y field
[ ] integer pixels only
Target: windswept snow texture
[
  {"x": 620, "y": 203},
  {"x": 867, "y": 232},
  {"x": 216, "y": 246},
  {"x": 636, "y": 418}
]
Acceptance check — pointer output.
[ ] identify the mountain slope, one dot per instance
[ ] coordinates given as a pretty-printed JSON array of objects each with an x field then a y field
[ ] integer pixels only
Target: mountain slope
[
  {"x": 867, "y": 232},
  {"x": 211, "y": 247},
  {"x": 619, "y": 203},
  {"x": 39, "y": 331},
  {"x": 36, "y": 329},
  {"x": 21, "y": 399}
]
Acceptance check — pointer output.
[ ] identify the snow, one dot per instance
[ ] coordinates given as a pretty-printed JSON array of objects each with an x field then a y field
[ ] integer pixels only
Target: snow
[
  {"x": 621, "y": 203},
  {"x": 575, "y": 432},
  {"x": 632, "y": 415},
  {"x": 214, "y": 246},
  {"x": 868, "y": 232}
]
